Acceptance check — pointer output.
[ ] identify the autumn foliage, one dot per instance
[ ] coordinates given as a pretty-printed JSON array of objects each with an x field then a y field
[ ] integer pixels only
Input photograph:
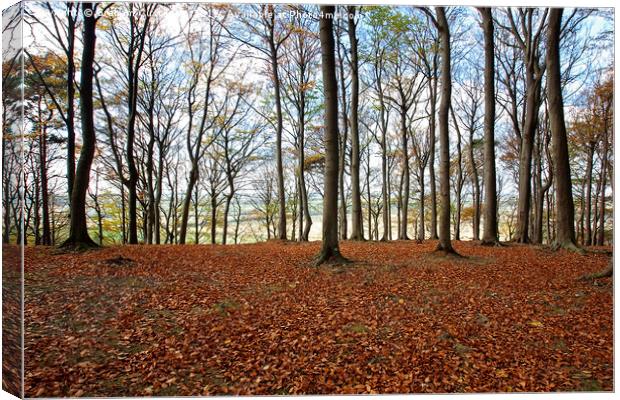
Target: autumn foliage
[{"x": 258, "y": 319}]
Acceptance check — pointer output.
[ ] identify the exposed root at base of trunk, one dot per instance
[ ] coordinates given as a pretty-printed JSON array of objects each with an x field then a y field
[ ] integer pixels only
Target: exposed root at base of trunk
[
  {"x": 569, "y": 245},
  {"x": 450, "y": 252},
  {"x": 331, "y": 257},
  {"x": 72, "y": 245}
]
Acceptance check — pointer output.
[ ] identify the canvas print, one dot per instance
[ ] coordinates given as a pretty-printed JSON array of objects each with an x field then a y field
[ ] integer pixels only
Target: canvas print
[{"x": 290, "y": 199}]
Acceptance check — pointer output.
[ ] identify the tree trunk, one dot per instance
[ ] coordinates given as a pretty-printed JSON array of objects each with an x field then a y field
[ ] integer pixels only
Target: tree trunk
[
  {"x": 213, "y": 217},
  {"x": 78, "y": 236},
  {"x": 404, "y": 209},
  {"x": 588, "y": 199},
  {"x": 532, "y": 105},
  {"x": 123, "y": 214},
  {"x": 433, "y": 140},
  {"x": 459, "y": 178},
  {"x": 279, "y": 165},
  {"x": 193, "y": 177},
  {"x": 151, "y": 207},
  {"x": 330, "y": 251},
  {"x": 196, "y": 220},
  {"x": 229, "y": 198},
  {"x": 422, "y": 194},
  {"x": 357, "y": 225},
  {"x": 46, "y": 239},
  {"x": 368, "y": 194},
  {"x": 445, "y": 244},
  {"x": 70, "y": 102},
  {"x": 385, "y": 187},
  {"x": 600, "y": 240},
  {"x": 565, "y": 218},
  {"x": 343, "y": 146},
  {"x": 133, "y": 73},
  {"x": 158, "y": 193}
]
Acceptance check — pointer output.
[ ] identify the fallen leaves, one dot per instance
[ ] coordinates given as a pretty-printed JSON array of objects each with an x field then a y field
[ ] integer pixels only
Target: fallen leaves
[{"x": 258, "y": 319}]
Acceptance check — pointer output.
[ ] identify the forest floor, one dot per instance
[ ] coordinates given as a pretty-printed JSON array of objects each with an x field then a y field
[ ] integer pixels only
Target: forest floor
[{"x": 259, "y": 319}]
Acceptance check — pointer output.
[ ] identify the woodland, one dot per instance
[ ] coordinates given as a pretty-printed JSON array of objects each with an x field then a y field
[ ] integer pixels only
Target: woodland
[{"x": 305, "y": 199}]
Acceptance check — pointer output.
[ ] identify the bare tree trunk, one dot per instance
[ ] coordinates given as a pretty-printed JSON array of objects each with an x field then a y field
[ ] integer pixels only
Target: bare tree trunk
[
  {"x": 196, "y": 220},
  {"x": 123, "y": 214},
  {"x": 213, "y": 217},
  {"x": 237, "y": 220},
  {"x": 357, "y": 225},
  {"x": 476, "y": 185},
  {"x": 78, "y": 236},
  {"x": 588, "y": 199},
  {"x": 445, "y": 244},
  {"x": 46, "y": 239},
  {"x": 330, "y": 251},
  {"x": 402, "y": 235},
  {"x": 565, "y": 218},
  {"x": 193, "y": 177},
  {"x": 422, "y": 194},
  {"x": 433, "y": 140},
  {"x": 71, "y": 22},
  {"x": 385, "y": 187},
  {"x": 229, "y": 198},
  {"x": 459, "y": 178},
  {"x": 601, "y": 208},
  {"x": 279, "y": 165},
  {"x": 343, "y": 146},
  {"x": 368, "y": 194},
  {"x": 133, "y": 70}
]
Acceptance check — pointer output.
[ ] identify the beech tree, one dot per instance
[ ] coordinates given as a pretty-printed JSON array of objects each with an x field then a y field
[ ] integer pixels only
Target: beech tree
[
  {"x": 78, "y": 235},
  {"x": 330, "y": 251},
  {"x": 565, "y": 234},
  {"x": 490, "y": 235},
  {"x": 357, "y": 223},
  {"x": 441, "y": 23},
  {"x": 267, "y": 34}
]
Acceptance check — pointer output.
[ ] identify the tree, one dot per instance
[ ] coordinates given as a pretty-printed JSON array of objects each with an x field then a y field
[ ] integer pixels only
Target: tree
[
  {"x": 421, "y": 152},
  {"x": 565, "y": 218},
  {"x": 458, "y": 179},
  {"x": 64, "y": 35},
  {"x": 237, "y": 142},
  {"x": 427, "y": 49},
  {"x": 206, "y": 66},
  {"x": 78, "y": 235},
  {"x": 330, "y": 251},
  {"x": 343, "y": 133},
  {"x": 357, "y": 224},
  {"x": 405, "y": 85},
  {"x": 299, "y": 68},
  {"x": 441, "y": 23},
  {"x": 378, "y": 57},
  {"x": 528, "y": 40},
  {"x": 271, "y": 33},
  {"x": 490, "y": 234}
]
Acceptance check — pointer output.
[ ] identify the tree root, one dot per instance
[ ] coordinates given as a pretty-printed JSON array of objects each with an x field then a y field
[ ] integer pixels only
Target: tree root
[
  {"x": 570, "y": 246},
  {"x": 72, "y": 245},
  {"x": 606, "y": 273},
  {"x": 492, "y": 243},
  {"x": 331, "y": 257},
  {"x": 447, "y": 252}
]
